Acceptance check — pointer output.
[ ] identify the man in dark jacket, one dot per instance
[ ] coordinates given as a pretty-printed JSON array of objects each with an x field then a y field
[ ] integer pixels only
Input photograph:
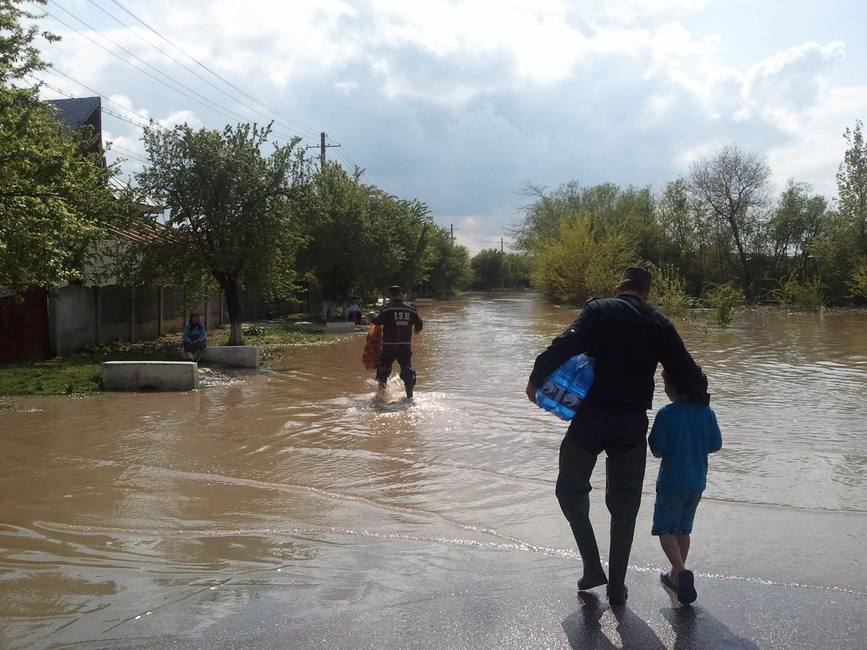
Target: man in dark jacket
[
  {"x": 627, "y": 338},
  {"x": 398, "y": 320}
]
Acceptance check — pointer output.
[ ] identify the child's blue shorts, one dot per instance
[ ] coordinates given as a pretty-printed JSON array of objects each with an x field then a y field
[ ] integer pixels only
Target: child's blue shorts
[{"x": 673, "y": 513}]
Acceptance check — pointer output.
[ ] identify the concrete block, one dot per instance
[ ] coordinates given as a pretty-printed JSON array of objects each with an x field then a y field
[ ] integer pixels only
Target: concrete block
[
  {"x": 150, "y": 375},
  {"x": 339, "y": 327},
  {"x": 236, "y": 356}
]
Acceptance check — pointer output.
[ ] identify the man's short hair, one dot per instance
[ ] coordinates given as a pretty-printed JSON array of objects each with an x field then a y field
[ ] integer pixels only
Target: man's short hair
[{"x": 635, "y": 278}]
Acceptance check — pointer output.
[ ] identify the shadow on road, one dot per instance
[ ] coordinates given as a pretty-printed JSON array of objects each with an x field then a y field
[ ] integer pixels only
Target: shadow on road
[{"x": 596, "y": 625}]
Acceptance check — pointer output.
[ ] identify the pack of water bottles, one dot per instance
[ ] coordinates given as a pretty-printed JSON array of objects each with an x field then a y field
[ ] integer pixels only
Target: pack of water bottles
[{"x": 565, "y": 388}]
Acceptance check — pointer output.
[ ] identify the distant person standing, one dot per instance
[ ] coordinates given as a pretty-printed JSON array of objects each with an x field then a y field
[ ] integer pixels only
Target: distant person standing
[
  {"x": 683, "y": 434},
  {"x": 398, "y": 320},
  {"x": 195, "y": 338},
  {"x": 355, "y": 311},
  {"x": 627, "y": 338}
]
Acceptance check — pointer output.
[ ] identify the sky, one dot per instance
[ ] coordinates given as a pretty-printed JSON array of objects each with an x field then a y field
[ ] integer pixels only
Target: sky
[{"x": 463, "y": 103}]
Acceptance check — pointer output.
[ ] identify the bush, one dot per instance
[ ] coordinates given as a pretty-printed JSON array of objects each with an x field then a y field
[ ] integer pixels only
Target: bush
[
  {"x": 792, "y": 293},
  {"x": 724, "y": 298},
  {"x": 576, "y": 266},
  {"x": 858, "y": 284},
  {"x": 668, "y": 292}
]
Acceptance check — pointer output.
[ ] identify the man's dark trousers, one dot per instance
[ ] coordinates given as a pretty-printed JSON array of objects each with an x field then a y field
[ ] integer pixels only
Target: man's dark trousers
[
  {"x": 403, "y": 355},
  {"x": 624, "y": 477}
]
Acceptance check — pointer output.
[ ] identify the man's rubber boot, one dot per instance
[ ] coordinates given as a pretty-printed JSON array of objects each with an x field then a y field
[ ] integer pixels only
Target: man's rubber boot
[{"x": 408, "y": 377}]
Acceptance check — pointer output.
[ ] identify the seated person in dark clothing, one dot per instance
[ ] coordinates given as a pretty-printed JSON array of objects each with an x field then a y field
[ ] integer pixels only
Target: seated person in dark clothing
[{"x": 195, "y": 338}]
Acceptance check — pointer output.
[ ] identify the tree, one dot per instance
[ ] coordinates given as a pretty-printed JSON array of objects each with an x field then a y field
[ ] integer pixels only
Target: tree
[
  {"x": 542, "y": 217},
  {"x": 339, "y": 241},
  {"x": 450, "y": 269},
  {"x": 576, "y": 265},
  {"x": 732, "y": 188},
  {"x": 232, "y": 211},
  {"x": 793, "y": 228},
  {"x": 852, "y": 184},
  {"x": 489, "y": 270},
  {"x": 55, "y": 199}
]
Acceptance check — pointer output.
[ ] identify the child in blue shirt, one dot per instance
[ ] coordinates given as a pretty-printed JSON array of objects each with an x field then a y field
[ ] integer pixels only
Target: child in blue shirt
[{"x": 683, "y": 434}]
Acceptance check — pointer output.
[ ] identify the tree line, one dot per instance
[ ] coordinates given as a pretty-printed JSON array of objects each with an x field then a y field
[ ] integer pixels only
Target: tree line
[{"x": 717, "y": 234}]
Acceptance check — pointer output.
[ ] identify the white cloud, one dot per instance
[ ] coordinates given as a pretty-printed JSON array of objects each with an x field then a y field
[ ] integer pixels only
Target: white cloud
[
  {"x": 815, "y": 153},
  {"x": 783, "y": 87},
  {"x": 458, "y": 102},
  {"x": 180, "y": 117}
]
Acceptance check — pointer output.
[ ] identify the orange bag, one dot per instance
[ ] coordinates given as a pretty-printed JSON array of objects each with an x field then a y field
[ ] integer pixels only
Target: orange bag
[{"x": 373, "y": 348}]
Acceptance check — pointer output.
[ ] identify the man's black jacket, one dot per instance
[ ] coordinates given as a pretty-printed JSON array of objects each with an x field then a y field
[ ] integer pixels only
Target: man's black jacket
[
  {"x": 627, "y": 338},
  {"x": 398, "y": 319}
]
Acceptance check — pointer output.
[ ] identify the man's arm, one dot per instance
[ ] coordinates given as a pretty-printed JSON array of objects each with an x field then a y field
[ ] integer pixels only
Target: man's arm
[
  {"x": 574, "y": 340},
  {"x": 676, "y": 360},
  {"x": 419, "y": 323}
]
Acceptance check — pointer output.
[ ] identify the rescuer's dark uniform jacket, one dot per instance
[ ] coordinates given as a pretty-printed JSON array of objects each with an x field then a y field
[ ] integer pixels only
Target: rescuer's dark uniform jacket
[{"x": 398, "y": 320}]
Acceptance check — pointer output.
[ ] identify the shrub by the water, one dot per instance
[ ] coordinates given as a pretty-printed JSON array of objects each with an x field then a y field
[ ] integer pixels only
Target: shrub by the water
[
  {"x": 724, "y": 299},
  {"x": 858, "y": 285},
  {"x": 668, "y": 293},
  {"x": 795, "y": 294}
]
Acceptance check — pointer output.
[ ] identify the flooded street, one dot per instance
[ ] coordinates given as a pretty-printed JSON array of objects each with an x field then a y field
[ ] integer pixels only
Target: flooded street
[{"x": 129, "y": 516}]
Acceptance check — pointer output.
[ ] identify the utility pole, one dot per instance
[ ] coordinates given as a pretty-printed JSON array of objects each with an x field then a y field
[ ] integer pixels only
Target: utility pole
[
  {"x": 452, "y": 230},
  {"x": 322, "y": 147},
  {"x": 501, "y": 244}
]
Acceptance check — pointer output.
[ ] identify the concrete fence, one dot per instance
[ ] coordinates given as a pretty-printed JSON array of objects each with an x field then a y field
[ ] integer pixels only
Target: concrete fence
[{"x": 80, "y": 316}]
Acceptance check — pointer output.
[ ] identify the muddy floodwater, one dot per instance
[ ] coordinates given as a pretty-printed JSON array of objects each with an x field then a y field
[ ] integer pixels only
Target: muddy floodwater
[{"x": 135, "y": 516}]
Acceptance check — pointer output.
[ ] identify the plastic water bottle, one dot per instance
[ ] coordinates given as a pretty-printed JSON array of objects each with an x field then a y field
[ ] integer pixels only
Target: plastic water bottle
[{"x": 564, "y": 390}]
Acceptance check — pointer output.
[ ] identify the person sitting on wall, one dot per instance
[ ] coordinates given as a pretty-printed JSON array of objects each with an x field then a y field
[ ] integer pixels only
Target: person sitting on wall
[{"x": 195, "y": 338}]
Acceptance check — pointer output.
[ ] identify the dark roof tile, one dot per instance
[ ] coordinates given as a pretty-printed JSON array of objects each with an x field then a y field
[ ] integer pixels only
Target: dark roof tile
[{"x": 75, "y": 112}]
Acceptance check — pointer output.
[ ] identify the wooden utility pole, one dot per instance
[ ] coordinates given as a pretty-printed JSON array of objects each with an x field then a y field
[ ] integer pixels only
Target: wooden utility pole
[
  {"x": 452, "y": 230},
  {"x": 501, "y": 244},
  {"x": 322, "y": 147}
]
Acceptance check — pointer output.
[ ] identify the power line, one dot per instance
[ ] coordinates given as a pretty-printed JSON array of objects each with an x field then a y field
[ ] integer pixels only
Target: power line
[
  {"x": 182, "y": 64},
  {"x": 96, "y": 92},
  {"x": 286, "y": 118},
  {"x": 345, "y": 157},
  {"x": 210, "y": 105},
  {"x": 128, "y": 153}
]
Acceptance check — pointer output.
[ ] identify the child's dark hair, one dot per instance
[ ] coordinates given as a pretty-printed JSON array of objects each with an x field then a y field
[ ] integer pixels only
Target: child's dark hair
[{"x": 693, "y": 391}]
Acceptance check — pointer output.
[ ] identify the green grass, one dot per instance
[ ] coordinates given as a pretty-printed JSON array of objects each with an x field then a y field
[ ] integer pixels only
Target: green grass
[{"x": 80, "y": 374}]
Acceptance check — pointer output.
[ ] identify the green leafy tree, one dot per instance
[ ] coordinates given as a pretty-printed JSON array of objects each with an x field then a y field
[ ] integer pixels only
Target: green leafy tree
[
  {"x": 450, "y": 269},
  {"x": 793, "y": 228},
  {"x": 852, "y": 184},
  {"x": 339, "y": 242},
  {"x": 834, "y": 251},
  {"x": 576, "y": 266},
  {"x": 232, "y": 211},
  {"x": 858, "y": 284},
  {"x": 55, "y": 199},
  {"x": 489, "y": 270}
]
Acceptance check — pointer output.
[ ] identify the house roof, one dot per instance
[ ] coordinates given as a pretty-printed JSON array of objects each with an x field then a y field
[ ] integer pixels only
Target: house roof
[{"x": 75, "y": 113}]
